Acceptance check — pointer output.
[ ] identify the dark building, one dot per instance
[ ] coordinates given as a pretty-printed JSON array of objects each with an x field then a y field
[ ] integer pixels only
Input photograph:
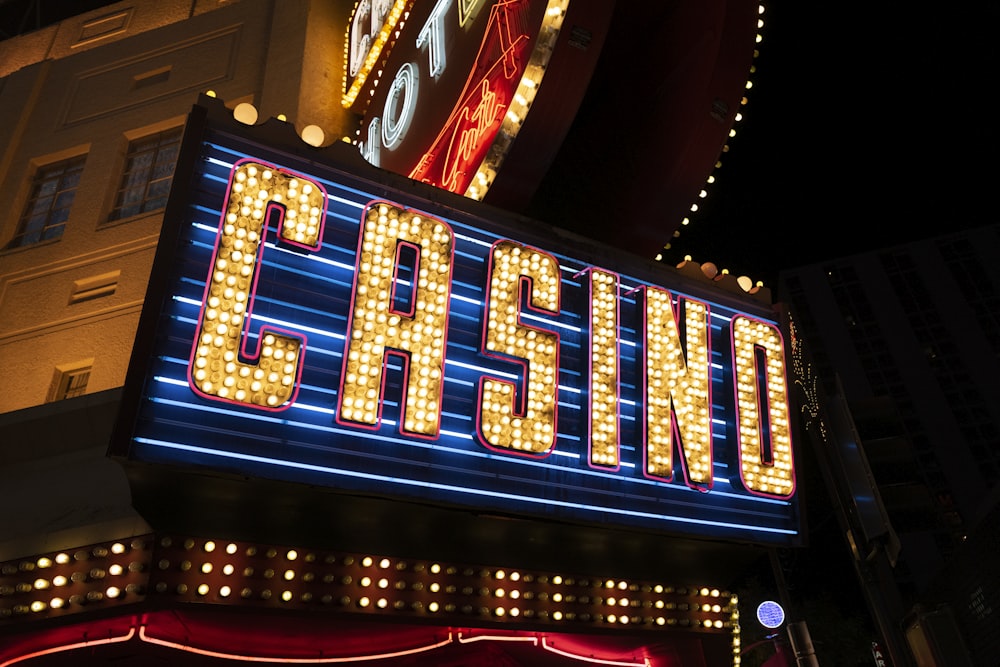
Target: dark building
[{"x": 908, "y": 338}]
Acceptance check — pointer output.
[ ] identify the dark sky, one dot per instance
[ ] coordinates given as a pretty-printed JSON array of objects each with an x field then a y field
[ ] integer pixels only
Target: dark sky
[{"x": 867, "y": 125}]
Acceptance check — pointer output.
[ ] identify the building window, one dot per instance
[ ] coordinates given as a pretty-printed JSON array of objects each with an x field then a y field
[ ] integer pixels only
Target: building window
[
  {"x": 70, "y": 381},
  {"x": 149, "y": 168},
  {"x": 52, "y": 191}
]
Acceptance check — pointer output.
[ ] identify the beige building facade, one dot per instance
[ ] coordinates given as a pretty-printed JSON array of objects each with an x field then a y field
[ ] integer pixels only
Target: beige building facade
[{"x": 92, "y": 110}]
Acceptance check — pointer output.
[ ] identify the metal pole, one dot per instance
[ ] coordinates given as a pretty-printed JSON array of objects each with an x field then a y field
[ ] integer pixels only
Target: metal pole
[{"x": 802, "y": 646}]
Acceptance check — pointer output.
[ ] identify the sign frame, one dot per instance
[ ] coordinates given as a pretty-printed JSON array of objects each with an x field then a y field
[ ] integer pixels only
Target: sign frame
[{"x": 710, "y": 507}]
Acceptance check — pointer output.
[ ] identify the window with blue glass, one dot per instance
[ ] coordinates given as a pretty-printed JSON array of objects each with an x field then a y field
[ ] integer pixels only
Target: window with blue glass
[
  {"x": 53, "y": 189},
  {"x": 149, "y": 168}
]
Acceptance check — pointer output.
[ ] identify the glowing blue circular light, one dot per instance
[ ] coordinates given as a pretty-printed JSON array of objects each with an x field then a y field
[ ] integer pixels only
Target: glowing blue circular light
[{"x": 770, "y": 614}]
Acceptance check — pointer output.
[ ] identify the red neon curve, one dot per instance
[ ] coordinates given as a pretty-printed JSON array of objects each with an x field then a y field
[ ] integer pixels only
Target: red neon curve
[
  {"x": 452, "y": 637},
  {"x": 70, "y": 647},
  {"x": 298, "y": 661},
  {"x": 597, "y": 661}
]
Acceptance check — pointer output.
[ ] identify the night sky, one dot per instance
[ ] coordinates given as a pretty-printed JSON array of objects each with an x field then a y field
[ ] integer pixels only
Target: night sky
[{"x": 867, "y": 125}]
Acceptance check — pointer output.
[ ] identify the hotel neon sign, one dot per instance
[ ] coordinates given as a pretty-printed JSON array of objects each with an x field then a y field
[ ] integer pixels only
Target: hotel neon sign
[
  {"x": 472, "y": 101},
  {"x": 338, "y": 336}
]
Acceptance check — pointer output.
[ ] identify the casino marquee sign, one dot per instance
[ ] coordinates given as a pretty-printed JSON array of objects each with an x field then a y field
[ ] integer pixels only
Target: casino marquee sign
[{"x": 313, "y": 319}]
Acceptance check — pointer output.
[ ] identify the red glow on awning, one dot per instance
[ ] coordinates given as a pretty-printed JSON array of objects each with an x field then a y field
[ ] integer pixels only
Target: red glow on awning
[{"x": 226, "y": 636}]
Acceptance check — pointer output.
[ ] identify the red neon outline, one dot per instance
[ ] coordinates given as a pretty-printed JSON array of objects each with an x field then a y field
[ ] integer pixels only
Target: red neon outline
[
  {"x": 456, "y": 178},
  {"x": 298, "y": 661},
  {"x": 542, "y": 641},
  {"x": 244, "y": 356},
  {"x": 597, "y": 661},
  {"x": 139, "y": 630},
  {"x": 590, "y": 373},
  {"x": 676, "y": 446},
  {"x": 403, "y": 355},
  {"x": 70, "y": 647},
  {"x": 519, "y": 410},
  {"x": 736, "y": 407}
]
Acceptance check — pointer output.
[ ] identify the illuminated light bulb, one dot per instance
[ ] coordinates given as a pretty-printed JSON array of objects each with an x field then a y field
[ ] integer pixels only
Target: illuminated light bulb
[
  {"x": 210, "y": 93},
  {"x": 282, "y": 117},
  {"x": 313, "y": 135},
  {"x": 245, "y": 113}
]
